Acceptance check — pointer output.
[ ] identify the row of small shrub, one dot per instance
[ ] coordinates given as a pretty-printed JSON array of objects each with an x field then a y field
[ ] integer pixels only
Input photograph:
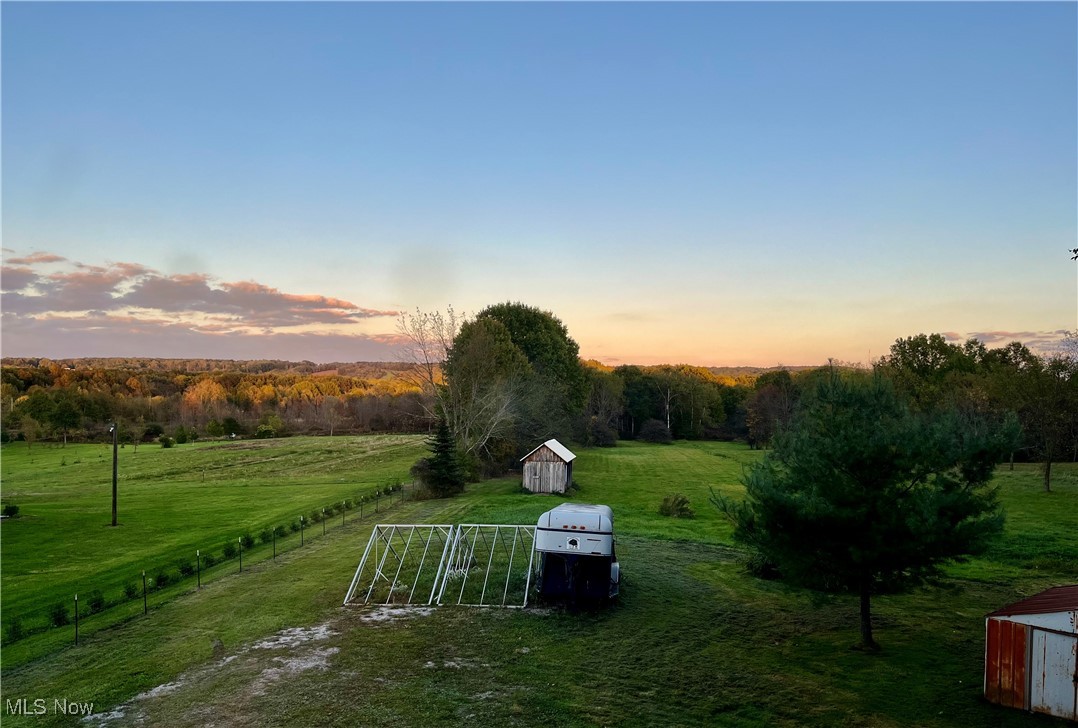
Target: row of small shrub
[
  {"x": 61, "y": 613},
  {"x": 181, "y": 436}
]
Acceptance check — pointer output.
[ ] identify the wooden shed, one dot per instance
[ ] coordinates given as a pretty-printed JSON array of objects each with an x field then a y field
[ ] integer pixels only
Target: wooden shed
[
  {"x": 548, "y": 468},
  {"x": 1031, "y": 653}
]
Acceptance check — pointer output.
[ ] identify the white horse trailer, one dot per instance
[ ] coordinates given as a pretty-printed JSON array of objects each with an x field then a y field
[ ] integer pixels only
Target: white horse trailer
[{"x": 574, "y": 545}]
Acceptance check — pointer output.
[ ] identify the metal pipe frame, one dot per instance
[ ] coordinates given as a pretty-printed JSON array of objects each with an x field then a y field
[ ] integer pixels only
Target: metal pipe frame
[
  {"x": 374, "y": 555},
  {"x": 460, "y": 545}
]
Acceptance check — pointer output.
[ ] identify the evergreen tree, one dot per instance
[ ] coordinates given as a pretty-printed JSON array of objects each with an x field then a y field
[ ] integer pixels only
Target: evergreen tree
[
  {"x": 443, "y": 472},
  {"x": 860, "y": 495}
]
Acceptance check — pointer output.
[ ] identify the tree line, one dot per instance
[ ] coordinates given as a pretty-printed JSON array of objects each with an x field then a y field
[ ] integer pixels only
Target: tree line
[
  {"x": 511, "y": 377},
  {"x": 53, "y": 400}
]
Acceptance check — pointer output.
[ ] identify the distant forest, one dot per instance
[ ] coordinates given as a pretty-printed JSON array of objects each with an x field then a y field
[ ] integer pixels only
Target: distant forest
[
  {"x": 183, "y": 399},
  {"x": 58, "y": 400}
]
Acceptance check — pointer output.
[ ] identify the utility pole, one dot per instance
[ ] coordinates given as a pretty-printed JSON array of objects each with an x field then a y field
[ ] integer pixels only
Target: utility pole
[{"x": 115, "y": 430}]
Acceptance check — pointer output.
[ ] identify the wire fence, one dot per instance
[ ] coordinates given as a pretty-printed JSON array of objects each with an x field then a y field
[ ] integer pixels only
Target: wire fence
[{"x": 201, "y": 566}]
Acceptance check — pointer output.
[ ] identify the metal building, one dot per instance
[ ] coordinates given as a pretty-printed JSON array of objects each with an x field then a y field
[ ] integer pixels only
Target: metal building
[
  {"x": 548, "y": 468},
  {"x": 1031, "y": 653}
]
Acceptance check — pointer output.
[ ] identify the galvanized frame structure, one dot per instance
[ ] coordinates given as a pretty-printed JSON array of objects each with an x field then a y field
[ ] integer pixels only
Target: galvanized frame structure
[
  {"x": 393, "y": 540},
  {"x": 465, "y": 548}
]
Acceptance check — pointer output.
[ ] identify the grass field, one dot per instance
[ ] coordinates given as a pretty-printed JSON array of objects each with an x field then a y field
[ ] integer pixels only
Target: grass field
[
  {"x": 171, "y": 502},
  {"x": 693, "y": 640}
]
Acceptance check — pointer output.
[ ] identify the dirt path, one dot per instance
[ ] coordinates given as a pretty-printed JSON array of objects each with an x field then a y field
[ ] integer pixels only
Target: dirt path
[{"x": 223, "y": 692}]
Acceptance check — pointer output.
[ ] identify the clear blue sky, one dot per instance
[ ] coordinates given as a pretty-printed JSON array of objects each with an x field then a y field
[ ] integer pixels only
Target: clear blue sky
[{"x": 710, "y": 183}]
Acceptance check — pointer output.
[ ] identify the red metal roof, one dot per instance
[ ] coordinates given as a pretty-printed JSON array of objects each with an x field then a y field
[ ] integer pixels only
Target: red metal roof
[{"x": 1056, "y": 599}]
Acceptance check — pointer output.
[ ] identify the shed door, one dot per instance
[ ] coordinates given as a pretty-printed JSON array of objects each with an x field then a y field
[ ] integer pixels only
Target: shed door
[
  {"x": 555, "y": 477},
  {"x": 1005, "y": 663},
  {"x": 533, "y": 477},
  {"x": 1054, "y": 684}
]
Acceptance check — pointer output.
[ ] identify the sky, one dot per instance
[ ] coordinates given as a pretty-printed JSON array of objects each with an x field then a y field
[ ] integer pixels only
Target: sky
[{"x": 704, "y": 183}]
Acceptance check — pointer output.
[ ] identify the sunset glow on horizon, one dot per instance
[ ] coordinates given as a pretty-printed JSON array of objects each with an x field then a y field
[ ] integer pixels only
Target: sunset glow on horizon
[{"x": 719, "y": 184}]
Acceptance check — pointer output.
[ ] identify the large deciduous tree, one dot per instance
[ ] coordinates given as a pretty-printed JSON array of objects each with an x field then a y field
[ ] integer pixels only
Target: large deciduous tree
[
  {"x": 604, "y": 404},
  {"x": 65, "y": 415},
  {"x": 507, "y": 377},
  {"x": 546, "y": 343},
  {"x": 555, "y": 392},
  {"x": 770, "y": 407},
  {"x": 931, "y": 371},
  {"x": 1048, "y": 407},
  {"x": 861, "y": 495},
  {"x": 485, "y": 373}
]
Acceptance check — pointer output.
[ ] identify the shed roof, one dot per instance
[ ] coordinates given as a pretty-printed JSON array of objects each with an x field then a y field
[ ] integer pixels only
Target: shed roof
[
  {"x": 1056, "y": 599},
  {"x": 560, "y": 450}
]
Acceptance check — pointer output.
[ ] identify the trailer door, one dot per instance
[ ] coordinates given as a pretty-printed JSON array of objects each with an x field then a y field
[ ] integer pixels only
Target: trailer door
[{"x": 1054, "y": 688}]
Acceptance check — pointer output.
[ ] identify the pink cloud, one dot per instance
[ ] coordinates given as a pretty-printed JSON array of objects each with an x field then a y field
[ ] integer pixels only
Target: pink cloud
[
  {"x": 122, "y": 300},
  {"x": 103, "y": 335},
  {"x": 1043, "y": 342},
  {"x": 37, "y": 258},
  {"x": 390, "y": 339},
  {"x": 14, "y": 278},
  {"x": 252, "y": 303}
]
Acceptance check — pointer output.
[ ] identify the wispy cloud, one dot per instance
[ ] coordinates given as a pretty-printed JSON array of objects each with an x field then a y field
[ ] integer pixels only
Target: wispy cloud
[
  {"x": 35, "y": 258},
  {"x": 631, "y": 317},
  {"x": 80, "y": 308},
  {"x": 104, "y": 335},
  {"x": 1039, "y": 341}
]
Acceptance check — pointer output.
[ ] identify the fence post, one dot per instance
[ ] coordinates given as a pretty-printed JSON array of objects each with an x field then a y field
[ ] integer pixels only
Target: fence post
[
  {"x": 323, "y": 521},
  {"x": 274, "y": 542},
  {"x": 240, "y": 541},
  {"x": 198, "y": 566},
  {"x": 342, "y": 513},
  {"x": 76, "y": 619},
  {"x": 145, "y": 608},
  {"x": 301, "y": 530}
]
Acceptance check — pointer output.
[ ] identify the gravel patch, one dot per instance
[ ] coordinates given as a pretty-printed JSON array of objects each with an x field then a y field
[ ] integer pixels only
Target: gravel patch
[{"x": 392, "y": 614}]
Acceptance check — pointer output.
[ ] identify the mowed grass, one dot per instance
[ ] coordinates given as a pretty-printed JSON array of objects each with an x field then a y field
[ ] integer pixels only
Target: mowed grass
[
  {"x": 171, "y": 502},
  {"x": 693, "y": 640},
  {"x": 633, "y": 478}
]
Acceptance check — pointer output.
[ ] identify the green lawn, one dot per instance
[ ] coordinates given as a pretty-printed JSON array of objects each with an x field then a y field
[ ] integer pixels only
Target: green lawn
[
  {"x": 171, "y": 502},
  {"x": 693, "y": 640}
]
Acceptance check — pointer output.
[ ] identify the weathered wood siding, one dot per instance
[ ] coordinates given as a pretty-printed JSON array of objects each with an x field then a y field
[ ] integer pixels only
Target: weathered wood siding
[
  {"x": 544, "y": 455},
  {"x": 546, "y": 472},
  {"x": 542, "y": 476}
]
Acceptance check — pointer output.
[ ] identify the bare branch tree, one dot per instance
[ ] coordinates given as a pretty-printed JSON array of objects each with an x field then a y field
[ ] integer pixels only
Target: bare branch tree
[
  {"x": 330, "y": 412},
  {"x": 479, "y": 411},
  {"x": 480, "y": 401},
  {"x": 485, "y": 376},
  {"x": 429, "y": 336}
]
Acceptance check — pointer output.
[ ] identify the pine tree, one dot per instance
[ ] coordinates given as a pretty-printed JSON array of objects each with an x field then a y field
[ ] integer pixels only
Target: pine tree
[
  {"x": 444, "y": 476},
  {"x": 862, "y": 496}
]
